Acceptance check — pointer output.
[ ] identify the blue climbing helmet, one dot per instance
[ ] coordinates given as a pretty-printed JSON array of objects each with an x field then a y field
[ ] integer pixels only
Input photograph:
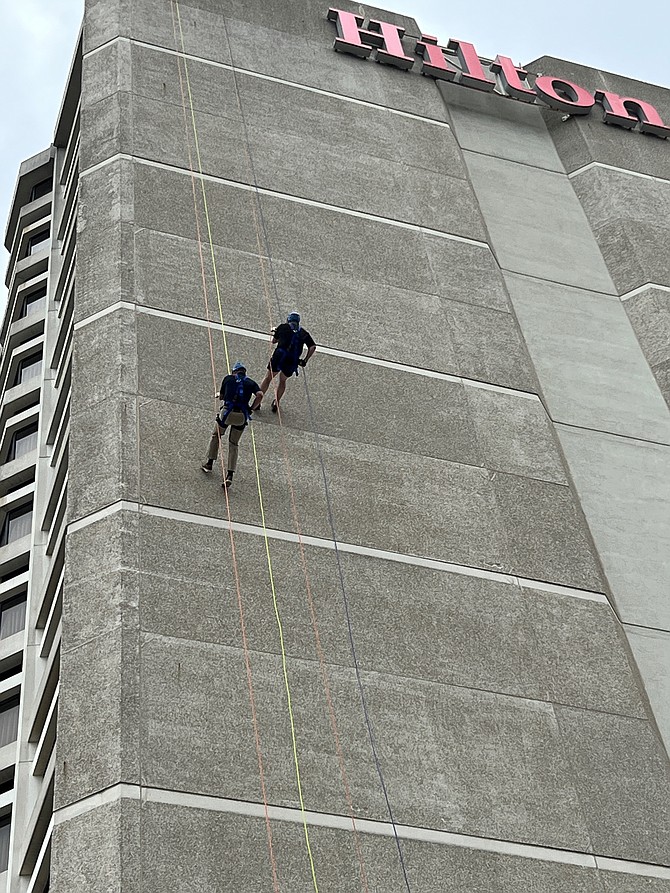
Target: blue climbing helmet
[
  {"x": 293, "y": 319},
  {"x": 239, "y": 367}
]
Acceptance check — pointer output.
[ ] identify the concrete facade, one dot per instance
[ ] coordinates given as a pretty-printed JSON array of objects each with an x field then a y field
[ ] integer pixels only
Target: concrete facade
[{"x": 425, "y": 643}]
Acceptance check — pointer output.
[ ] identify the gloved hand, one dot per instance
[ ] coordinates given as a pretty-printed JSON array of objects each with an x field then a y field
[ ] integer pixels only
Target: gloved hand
[{"x": 302, "y": 363}]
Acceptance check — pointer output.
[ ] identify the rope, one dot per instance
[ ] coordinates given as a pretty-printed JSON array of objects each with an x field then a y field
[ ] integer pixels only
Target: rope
[
  {"x": 296, "y": 761},
  {"x": 294, "y": 509},
  {"x": 329, "y": 506},
  {"x": 240, "y": 605}
]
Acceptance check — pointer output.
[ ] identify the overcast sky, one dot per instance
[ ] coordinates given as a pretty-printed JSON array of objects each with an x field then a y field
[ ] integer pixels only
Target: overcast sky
[{"x": 37, "y": 38}]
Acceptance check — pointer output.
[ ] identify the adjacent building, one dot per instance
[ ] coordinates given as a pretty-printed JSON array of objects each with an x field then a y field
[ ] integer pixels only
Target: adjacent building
[{"x": 423, "y": 643}]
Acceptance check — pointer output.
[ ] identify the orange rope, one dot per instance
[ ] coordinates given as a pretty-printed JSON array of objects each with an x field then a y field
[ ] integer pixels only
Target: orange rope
[
  {"x": 240, "y": 605},
  {"x": 323, "y": 668}
]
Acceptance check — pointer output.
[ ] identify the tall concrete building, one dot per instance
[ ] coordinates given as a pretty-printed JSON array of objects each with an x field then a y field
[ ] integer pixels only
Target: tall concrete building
[{"x": 423, "y": 643}]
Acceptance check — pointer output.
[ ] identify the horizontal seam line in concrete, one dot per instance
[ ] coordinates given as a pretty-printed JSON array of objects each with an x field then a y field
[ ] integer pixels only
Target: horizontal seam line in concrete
[
  {"x": 322, "y": 542},
  {"x": 651, "y": 629},
  {"x": 285, "y": 196},
  {"x": 537, "y": 167},
  {"x": 630, "y": 437},
  {"x": 146, "y": 794},
  {"x": 594, "y": 291},
  {"x": 643, "y": 288},
  {"x": 545, "y": 704},
  {"x": 618, "y": 170},
  {"x": 267, "y": 77},
  {"x": 331, "y": 351}
]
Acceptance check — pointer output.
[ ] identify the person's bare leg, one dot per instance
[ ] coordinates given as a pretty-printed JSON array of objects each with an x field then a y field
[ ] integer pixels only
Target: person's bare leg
[
  {"x": 263, "y": 388},
  {"x": 281, "y": 387}
]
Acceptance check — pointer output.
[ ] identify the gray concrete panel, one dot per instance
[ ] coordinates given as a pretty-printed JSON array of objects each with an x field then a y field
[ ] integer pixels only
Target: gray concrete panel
[
  {"x": 587, "y": 379},
  {"x": 99, "y": 851},
  {"x": 105, "y": 273},
  {"x": 622, "y": 774},
  {"x": 651, "y": 649},
  {"x": 453, "y": 758},
  {"x": 105, "y": 73},
  {"x": 624, "y": 492},
  {"x": 243, "y": 841},
  {"x": 537, "y": 224},
  {"x": 103, "y": 456},
  {"x": 461, "y": 415},
  {"x": 98, "y": 715},
  {"x": 297, "y": 47},
  {"x": 615, "y": 882},
  {"x": 515, "y": 435},
  {"x": 585, "y": 138},
  {"x": 522, "y": 636},
  {"x": 109, "y": 127},
  {"x": 426, "y": 507},
  {"x": 358, "y": 313},
  {"x": 104, "y": 238},
  {"x": 635, "y": 252},
  {"x": 546, "y": 536},
  {"x": 491, "y": 125},
  {"x": 649, "y": 314},
  {"x": 101, "y": 591},
  {"x": 104, "y": 360},
  {"x": 610, "y": 195},
  {"x": 627, "y": 214},
  {"x": 103, "y": 21}
]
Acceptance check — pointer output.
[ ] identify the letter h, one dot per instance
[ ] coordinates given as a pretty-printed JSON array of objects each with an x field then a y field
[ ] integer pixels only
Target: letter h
[{"x": 354, "y": 39}]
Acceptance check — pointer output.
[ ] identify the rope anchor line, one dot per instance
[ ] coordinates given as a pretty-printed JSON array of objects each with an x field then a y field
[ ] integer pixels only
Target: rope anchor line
[
  {"x": 265, "y": 256},
  {"x": 183, "y": 59}
]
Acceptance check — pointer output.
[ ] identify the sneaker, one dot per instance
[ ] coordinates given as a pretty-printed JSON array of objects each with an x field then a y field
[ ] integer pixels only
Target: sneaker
[
  {"x": 207, "y": 467},
  {"x": 228, "y": 482},
  {"x": 274, "y": 406}
]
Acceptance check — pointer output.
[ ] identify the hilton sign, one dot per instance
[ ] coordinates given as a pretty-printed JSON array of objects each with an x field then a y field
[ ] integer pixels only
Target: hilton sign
[{"x": 385, "y": 40}]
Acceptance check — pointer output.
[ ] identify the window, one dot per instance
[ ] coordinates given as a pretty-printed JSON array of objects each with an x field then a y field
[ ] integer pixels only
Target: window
[
  {"x": 39, "y": 189},
  {"x": 18, "y": 523},
  {"x": 23, "y": 441},
  {"x": 38, "y": 242},
  {"x": 34, "y": 302},
  {"x": 12, "y": 616},
  {"x": 29, "y": 368},
  {"x": 5, "y": 828},
  {"x": 9, "y": 721}
]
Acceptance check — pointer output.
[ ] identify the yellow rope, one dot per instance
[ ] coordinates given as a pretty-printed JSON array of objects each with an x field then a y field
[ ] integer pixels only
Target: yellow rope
[{"x": 275, "y": 601}]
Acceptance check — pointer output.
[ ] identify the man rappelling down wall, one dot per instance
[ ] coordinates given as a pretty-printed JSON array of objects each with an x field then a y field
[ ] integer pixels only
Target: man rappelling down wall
[
  {"x": 234, "y": 415},
  {"x": 290, "y": 339}
]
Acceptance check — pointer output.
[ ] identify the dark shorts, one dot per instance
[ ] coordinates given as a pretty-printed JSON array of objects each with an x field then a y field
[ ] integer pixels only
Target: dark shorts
[{"x": 279, "y": 362}]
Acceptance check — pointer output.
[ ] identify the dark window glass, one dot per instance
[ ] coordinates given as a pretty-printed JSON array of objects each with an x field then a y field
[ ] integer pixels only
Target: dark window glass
[
  {"x": 29, "y": 368},
  {"x": 9, "y": 721},
  {"x": 12, "y": 575},
  {"x": 34, "y": 302},
  {"x": 40, "y": 189},
  {"x": 12, "y": 616},
  {"x": 5, "y": 827},
  {"x": 23, "y": 441},
  {"x": 17, "y": 524},
  {"x": 9, "y": 671},
  {"x": 38, "y": 242}
]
